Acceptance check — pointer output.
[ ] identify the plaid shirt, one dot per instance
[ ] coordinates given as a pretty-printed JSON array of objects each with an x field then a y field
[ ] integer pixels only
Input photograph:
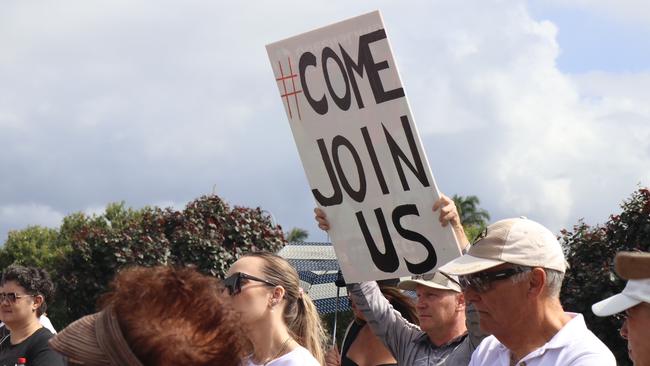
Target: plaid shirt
[{"x": 406, "y": 341}]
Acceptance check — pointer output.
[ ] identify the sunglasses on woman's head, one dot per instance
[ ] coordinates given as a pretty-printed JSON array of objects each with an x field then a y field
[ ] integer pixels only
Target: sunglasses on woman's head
[{"x": 233, "y": 282}]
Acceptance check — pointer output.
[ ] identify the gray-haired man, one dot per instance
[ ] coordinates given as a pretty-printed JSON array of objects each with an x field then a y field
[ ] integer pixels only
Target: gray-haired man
[{"x": 513, "y": 275}]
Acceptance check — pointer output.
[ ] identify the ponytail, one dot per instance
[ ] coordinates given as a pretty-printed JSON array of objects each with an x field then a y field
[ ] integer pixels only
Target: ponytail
[
  {"x": 300, "y": 314},
  {"x": 307, "y": 328}
]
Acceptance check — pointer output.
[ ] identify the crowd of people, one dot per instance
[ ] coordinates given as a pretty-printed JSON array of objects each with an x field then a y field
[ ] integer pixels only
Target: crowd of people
[{"x": 497, "y": 304}]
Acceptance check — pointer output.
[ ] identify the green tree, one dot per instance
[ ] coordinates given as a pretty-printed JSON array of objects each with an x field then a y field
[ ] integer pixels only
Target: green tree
[
  {"x": 84, "y": 254},
  {"x": 473, "y": 218},
  {"x": 470, "y": 212},
  {"x": 590, "y": 251},
  {"x": 297, "y": 234},
  {"x": 207, "y": 234},
  {"x": 34, "y": 246}
]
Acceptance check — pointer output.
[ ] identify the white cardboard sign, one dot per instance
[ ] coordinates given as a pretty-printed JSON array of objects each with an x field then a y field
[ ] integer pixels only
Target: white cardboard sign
[{"x": 361, "y": 150}]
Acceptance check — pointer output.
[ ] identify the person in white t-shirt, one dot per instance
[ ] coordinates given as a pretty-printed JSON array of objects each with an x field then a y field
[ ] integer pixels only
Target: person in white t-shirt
[
  {"x": 280, "y": 321},
  {"x": 45, "y": 322},
  {"x": 513, "y": 275}
]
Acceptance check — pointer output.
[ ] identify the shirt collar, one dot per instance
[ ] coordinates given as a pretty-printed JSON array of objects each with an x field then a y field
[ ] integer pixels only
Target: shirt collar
[
  {"x": 567, "y": 333},
  {"x": 562, "y": 338}
]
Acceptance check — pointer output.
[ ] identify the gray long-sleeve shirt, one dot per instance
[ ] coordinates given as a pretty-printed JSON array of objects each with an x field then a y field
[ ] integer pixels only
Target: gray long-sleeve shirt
[{"x": 406, "y": 341}]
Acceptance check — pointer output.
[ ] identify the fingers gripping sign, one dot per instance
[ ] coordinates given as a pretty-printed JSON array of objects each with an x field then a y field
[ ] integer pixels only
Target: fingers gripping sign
[
  {"x": 321, "y": 219},
  {"x": 449, "y": 215},
  {"x": 446, "y": 206}
]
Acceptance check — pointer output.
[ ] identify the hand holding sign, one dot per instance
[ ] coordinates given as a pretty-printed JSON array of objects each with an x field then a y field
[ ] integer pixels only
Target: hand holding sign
[
  {"x": 448, "y": 214},
  {"x": 321, "y": 219}
]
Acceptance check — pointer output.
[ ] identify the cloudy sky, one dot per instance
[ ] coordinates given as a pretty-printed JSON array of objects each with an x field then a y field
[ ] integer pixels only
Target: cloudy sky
[{"x": 540, "y": 108}]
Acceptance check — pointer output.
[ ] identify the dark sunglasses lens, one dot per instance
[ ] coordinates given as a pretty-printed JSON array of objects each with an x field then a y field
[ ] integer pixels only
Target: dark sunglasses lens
[
  {"x": 232, "y": 284},
  {"x": 475, "y": 283}
]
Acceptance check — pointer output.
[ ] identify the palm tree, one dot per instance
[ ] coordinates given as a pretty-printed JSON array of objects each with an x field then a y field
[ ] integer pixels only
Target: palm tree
[
  {"x": 297, "y": 234},
  {"x": 469, "y": 212}
]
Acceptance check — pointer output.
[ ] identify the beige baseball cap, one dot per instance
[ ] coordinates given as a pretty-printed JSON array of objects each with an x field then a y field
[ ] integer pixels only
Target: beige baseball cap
[
  {"x": 518, "y": 241},
  {"x": 433, "y": 280}
]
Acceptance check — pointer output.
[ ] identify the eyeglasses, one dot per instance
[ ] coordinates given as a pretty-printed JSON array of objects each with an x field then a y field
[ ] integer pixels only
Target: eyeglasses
[
  {"x": 11, "y": 297},
  {"x": 233, "y": 282},
  {"x": 482, "y": 281}
]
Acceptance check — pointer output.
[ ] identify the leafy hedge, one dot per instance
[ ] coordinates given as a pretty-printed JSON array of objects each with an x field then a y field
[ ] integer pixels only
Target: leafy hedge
[{"x": 207, "y": 234}]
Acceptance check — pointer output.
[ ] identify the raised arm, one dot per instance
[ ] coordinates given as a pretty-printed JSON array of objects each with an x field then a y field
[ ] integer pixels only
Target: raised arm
[
  {"x": 395, "y": 332},
  {"x": 386, "y": 323},
  {"x": 449, "y": 216}
]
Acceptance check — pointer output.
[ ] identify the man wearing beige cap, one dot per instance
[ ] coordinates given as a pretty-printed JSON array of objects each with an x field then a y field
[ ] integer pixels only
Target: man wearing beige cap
[
  {"x": 441, "y": 338},
  {"x": 513, "y": 275},
  {"x": 634, "y": 300},
  {"x": 446, "y": 334}
]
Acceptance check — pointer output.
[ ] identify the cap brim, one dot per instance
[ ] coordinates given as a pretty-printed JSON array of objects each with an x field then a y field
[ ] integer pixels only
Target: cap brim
[
  {"x": 468, "y": 264},
  {"x": 79, "y": 343},
  {"x": 411, "y": 285},
  {"x": 613, "y": 305}
]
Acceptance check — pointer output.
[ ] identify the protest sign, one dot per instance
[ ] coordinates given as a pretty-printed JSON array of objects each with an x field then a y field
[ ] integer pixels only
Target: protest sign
[{"x": 361, "y": 150}]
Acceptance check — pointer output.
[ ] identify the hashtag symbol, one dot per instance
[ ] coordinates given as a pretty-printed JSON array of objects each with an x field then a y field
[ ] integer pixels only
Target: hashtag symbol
[{"x": 286, "y": 94}]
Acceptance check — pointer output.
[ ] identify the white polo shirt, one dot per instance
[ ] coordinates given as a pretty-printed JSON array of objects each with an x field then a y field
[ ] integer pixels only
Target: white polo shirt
[{"x": 573, "y": 345}]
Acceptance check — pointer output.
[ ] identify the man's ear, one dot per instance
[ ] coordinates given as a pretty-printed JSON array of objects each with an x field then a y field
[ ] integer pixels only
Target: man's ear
[
  {"x": 537, "y": 281},
  {"x": 460, "y": 302}
]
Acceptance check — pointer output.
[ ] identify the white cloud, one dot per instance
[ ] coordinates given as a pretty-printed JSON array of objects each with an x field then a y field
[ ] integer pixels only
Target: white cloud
[
  {"x": 153, "y": 102},
  {"x": 551, "y": 146},
  {"x": 19, "y": 216}
]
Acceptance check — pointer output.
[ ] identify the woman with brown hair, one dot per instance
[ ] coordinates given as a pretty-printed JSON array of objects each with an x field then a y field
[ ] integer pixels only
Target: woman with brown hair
[
  {"x": 280, "y": 321},
  {"x": 156, "y": 316}
]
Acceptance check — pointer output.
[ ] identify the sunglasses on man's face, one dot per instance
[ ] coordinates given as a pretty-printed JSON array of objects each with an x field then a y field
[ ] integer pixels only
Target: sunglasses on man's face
[
  {"x": 11, "y": 297},
  {"x": 234, "y": 282},
  {"x": 482, "y": 281}
]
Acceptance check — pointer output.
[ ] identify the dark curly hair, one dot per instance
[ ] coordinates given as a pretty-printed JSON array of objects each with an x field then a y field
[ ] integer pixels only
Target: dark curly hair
[{"x": 35, "y": 281}]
